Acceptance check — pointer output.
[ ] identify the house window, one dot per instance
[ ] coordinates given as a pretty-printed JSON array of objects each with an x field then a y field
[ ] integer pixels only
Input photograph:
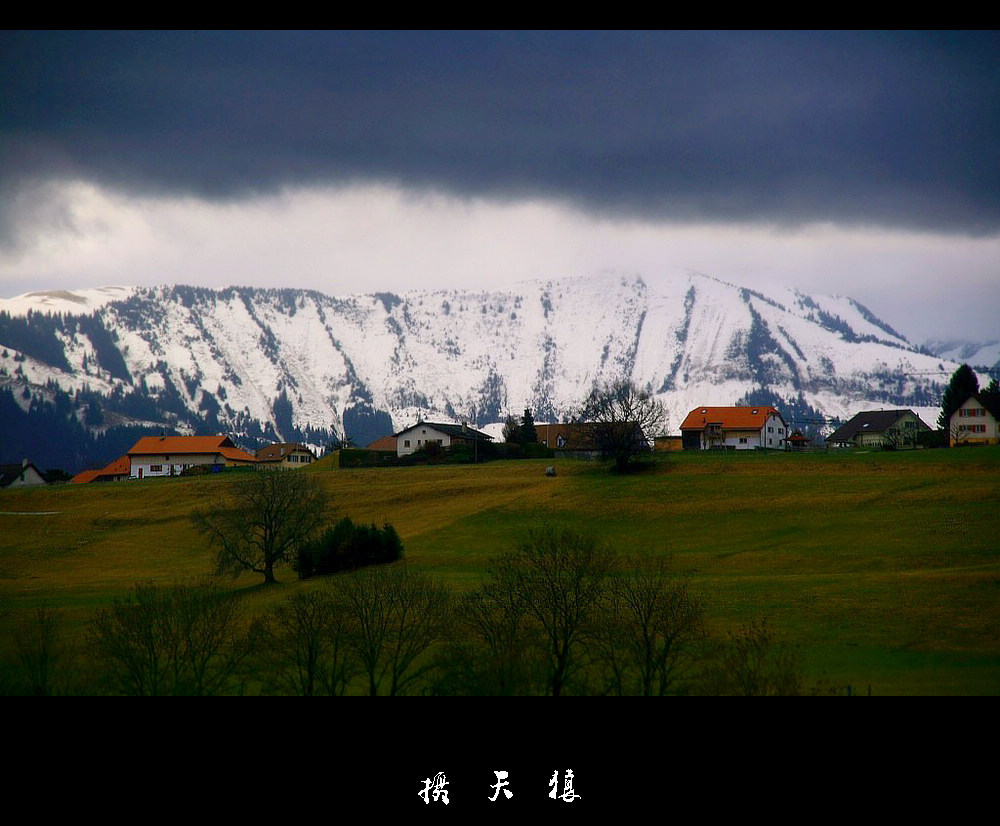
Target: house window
[
  {"x": 770, "y": 430},
  {"x": 156, "y": 468},
  {"x": 743, "y": 440},
  {"x": 406, "y": 443},
  {"x": 781, "y": 430}
]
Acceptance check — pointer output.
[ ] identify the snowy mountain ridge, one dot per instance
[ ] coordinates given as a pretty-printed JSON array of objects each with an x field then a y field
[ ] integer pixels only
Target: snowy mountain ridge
[{"x": 289, "y": 359}]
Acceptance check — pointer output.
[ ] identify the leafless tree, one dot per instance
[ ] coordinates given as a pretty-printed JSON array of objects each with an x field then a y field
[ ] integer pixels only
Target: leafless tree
[
  {"x": 395, "y": 616},
  {"x": 559, "y": 576},
  {"x": 754, "y": 663},
  {"x": 38, "y": 652},
  {"x": 265, "y": 517},
  {"x": 494, "y": 646},
  {"x": 304, "y": 645},
  {"x": 626, "y": 420},
  {"x": 172, "y": 641},
  {"x": 651, "y": 631}
]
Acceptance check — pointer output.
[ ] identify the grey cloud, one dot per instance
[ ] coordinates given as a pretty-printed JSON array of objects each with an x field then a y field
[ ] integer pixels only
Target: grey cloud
[{"x": 895, "y": 129}]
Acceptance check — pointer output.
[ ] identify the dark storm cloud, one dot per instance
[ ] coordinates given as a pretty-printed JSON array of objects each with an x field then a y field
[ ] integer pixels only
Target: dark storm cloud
[{"x": 897, "y": 129}]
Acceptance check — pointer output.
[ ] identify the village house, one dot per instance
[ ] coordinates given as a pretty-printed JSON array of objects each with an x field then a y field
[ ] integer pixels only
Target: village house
[
  {"x": 569, "y": 438},
  {"x": 737, "y": 428},
  {"x": 22, "y": 475},
  {"x": 976, "y": 422},
  {"x": 116, "y": 471},
  {"x": 668, "y": 444},
  {"x": 169, "y": 455},
  {"x": 387, "y": 444},
  {"x": 285, "y": 455},
  {"x": 423, "y": 433},
  {"x": 879, "y": 428}
]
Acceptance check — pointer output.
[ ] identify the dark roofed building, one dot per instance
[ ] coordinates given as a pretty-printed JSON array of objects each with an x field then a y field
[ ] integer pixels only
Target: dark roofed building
[
  {"x": 285, "y": 455},
  {"x": 423, "y": 433},
  {"x": 879, "y": 428},
  {"x": 22, "y": 475}
]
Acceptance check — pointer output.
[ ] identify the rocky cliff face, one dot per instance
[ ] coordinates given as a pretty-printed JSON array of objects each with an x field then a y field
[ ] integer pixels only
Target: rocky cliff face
[{"x": 294, "y": 364}]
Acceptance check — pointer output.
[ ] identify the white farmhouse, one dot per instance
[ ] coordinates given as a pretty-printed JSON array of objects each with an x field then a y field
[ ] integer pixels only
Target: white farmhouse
[
  {"x": 424, "y": 433},
  {"x": 738, "y": 428},
  {"x": 169, "y": 455},
  {"x": 976, "y": 422}
]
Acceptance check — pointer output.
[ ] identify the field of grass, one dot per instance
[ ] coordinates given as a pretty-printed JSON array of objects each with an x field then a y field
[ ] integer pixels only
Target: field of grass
[{"x": 881, "y": 569}]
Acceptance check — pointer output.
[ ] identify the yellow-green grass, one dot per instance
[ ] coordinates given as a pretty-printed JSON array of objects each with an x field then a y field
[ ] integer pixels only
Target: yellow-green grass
[{"x": 882, "y": 569}]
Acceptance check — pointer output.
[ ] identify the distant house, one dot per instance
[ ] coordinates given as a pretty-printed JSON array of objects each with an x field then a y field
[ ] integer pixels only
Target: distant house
[
  {"x": 169, "y": 455},
  {"x": 22, "y": 475},
  {"x": 668, "y": 444},
  {"x": 798, "y": 442},
  {"x": 423, "y": 433},
  {"x": 285, "y": 455},
  {"x": 116, "y": 471},
  {"x": 739, "y": 428},
  {"x": 569, "y": 438},
  {"x": 976, "y": 422},
  {"x": 386, "y": 444},
  {"x": 879, "y": 428}
]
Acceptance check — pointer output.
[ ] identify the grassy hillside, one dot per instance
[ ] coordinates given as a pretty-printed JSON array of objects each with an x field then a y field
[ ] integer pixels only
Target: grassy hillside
[{"x": 883, "y": 569}]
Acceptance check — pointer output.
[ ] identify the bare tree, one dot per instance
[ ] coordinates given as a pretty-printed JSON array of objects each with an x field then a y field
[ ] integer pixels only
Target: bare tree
[
  {"x": 38, "y": 653},
  {"x": 625, "y": 420},
  {"x": 494, "y": 645},
  {"x": 559, "y": 576},
  {"x": 754, "y": 663},
  {"x": 651, "y": 630},
  {"x": 395, "y": 616},
  {"x": 263, "y": 520},
  {"x": 305, "y": 645},
  {"x": 171, "y": 641}
]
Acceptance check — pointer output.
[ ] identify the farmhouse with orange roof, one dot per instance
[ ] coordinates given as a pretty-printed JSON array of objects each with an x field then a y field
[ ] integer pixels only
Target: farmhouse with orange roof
[
  {"x": 737, "y": 428},
  {"x": 169, "y": 455}
]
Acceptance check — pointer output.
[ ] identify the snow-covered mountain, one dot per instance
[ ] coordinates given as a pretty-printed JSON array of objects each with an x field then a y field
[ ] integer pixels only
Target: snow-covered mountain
[
  {"x": 983, "y": 354},
  {"x": 267, "y": 363}
]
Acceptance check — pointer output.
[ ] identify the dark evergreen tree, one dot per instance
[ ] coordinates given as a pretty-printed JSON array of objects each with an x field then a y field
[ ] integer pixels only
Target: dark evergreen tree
[
  {"x": 511, "y": 430},
  {"x": 528, "y": 433},
  {"x": 962, "y": 385}
]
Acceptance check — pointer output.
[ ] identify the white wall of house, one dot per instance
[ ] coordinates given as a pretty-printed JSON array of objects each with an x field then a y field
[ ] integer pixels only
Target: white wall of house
[
  {"x": 773, "y": 434},
  {"x": 27, "y": 477},
  {"x": 170, "y": 464},
  {"x": 973, "y": 424},
  {"x": 411, "y": 440},
  {"x": 732, "y": 439}
]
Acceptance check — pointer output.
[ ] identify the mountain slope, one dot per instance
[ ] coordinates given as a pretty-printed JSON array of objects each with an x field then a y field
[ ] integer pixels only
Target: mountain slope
[{"x": 298, "y": 364}]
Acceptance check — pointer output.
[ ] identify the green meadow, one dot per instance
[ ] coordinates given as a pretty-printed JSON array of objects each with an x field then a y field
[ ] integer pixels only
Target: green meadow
[{"x": 880, "y": 569}]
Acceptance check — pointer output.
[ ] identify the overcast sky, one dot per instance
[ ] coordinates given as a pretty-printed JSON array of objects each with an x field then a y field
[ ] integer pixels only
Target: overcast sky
[{"x": 862, "y": 163}]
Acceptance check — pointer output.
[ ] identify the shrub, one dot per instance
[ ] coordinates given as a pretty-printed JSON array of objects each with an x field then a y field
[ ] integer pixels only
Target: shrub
[{"x": 346, "y": 546}]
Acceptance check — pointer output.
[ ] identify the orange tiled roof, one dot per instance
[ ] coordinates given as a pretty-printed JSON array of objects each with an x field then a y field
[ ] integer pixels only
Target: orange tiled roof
[
  {"x": 385, "y": 443},
  {"x": 181, "y": 444},
  {"x": 236, "y": 454},
  {"x": 730, "y": 418},
  {"x": 121, "y": 466}
]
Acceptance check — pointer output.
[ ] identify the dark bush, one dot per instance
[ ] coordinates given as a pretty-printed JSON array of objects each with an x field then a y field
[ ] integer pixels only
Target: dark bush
[{"x": 346, "y": 546}]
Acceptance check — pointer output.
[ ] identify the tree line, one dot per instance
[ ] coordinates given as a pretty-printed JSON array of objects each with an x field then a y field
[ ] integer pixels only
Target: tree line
[{"x": 558, "y": 614}]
